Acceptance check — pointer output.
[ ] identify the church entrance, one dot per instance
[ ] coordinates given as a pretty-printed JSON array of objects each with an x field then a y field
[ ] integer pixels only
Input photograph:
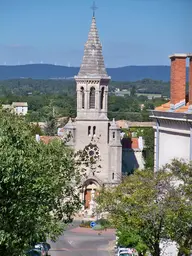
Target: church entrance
[
  {"x": 89, "y": 193},
  {"x": 87, "y": 198}
]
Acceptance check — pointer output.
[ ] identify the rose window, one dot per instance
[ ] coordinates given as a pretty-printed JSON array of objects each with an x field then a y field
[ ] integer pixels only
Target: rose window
[{"x": 91, "y": 153}]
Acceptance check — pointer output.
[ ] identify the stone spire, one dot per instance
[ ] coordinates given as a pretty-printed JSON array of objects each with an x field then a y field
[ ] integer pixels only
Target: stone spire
[{"x": 93, "y": 63}]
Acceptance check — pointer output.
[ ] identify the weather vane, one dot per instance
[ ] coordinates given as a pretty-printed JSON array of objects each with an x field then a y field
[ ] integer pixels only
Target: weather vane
[{"x": 94, "y": 8}]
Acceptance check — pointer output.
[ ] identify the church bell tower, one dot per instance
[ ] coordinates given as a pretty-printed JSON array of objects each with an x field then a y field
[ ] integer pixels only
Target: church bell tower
[
  {"x": 92, "y": 80},
  {"x": 93, "y": 130}
]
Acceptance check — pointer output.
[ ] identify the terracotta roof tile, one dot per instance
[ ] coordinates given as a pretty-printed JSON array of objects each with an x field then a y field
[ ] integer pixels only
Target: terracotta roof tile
[
  {"x": 163, "y": 107},
  {"x": 47, "y": 139},
  {"x": 166, "y": 107},
  {"x": 19, "y": 104}
]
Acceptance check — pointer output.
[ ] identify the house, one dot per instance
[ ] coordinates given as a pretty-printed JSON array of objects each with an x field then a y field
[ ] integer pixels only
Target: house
[
  {"x": 173, "y": 120},
  {"x": 132, "y": 154},
  {"x": 20, "y": 108}
]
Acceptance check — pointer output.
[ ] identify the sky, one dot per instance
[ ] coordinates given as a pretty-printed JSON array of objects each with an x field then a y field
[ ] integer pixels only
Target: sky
[{"x": 132, "y": 32}]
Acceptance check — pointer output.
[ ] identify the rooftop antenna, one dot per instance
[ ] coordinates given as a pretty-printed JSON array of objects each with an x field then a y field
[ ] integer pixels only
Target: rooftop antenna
[{"x": 94, "y": 8}]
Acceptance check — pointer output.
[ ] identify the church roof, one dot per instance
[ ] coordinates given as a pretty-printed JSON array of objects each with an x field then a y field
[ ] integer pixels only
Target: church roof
[{"x": 93, "y": 62}]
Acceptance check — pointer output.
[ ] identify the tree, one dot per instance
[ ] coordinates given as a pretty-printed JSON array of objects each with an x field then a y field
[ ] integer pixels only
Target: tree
[
  {"x": 181, "y": 231},
  {"x": 51, "y": 126},
  {"x": 151, "y": 204},
  {"x": 148, "y": 152},
  {"x": 133, "y": 91},
  {"x": 36, "y": 129},
  {"x": 38, "y": 186},
  {"x": 128, "y": 237}
]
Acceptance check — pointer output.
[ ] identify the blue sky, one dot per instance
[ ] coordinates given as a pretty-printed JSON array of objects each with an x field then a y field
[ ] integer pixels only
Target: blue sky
[{"x": 132, "y": 32}]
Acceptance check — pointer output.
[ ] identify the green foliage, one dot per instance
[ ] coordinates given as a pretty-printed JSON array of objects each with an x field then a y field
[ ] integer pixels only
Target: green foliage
[
  {"x": 51, "y": 126},
  {"x": 180, "y": 223},
  {"x": 59, "y": 96},
  {"x": 85, "y": 224},
  {"x": 98, "y": 227},
  {"x": 153, "y": 206},
  {"x": 36, "y": 129},
  {"x": 148, "y": 153},
  {"x": 104, "y": 222},
  {"x": 37, "y": 186},
  {"x": 129, "y": 238}
]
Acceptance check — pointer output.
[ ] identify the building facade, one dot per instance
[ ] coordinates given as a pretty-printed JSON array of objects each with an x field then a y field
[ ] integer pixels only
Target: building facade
[
  {"x": 19, "y": 108},
  {"x": 92, "y": 131},
  {"x": 173, "y": 120}
]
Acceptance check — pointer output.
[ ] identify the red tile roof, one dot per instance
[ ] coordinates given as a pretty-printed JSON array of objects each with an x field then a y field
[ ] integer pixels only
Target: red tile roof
[{"x": 47, "y": 139}]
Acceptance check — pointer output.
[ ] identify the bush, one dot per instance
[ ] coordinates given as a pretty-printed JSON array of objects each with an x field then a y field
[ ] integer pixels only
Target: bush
[
  {"x": 98, "y": 227},
  {"x": 85, "y": 224},
  {"x": 105, "y": 223}
]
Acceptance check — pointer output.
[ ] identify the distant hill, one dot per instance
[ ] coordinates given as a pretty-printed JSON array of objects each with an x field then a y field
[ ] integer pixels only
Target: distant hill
[{"x": 48, "y": 71}]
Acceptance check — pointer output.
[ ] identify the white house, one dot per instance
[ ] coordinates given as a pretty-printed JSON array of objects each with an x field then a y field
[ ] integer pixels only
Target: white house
[
  {"x": 173, "y": 120},
  {"x": 20, "y": 108}
]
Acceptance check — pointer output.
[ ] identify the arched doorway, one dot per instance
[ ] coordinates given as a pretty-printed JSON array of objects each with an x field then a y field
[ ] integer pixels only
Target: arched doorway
[{"x": 90, "y": 190}]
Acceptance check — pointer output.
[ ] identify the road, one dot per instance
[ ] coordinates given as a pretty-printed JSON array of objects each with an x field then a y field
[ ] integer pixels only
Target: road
[{"x": 82, "y": 242}]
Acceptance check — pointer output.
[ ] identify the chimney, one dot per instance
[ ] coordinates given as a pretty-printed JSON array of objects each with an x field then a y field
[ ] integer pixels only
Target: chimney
[
  {"x": 178, "y": 80},
  {"x": 190, "y": 80}
]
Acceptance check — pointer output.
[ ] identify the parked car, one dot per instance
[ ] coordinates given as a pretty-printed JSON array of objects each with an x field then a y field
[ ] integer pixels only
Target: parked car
[
  {"x": 43, "y": 247},
  {"x": 122, "y": 251},
  {"x": 33, "y": 252},
  {"x": 125, "y": 253}
]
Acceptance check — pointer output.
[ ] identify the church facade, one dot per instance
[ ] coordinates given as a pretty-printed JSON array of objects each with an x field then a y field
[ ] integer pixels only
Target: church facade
[{"x": 92, "y": 132}]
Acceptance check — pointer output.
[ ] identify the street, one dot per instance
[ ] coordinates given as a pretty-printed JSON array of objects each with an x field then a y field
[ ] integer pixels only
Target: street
[{"x": 82, "y": 242}]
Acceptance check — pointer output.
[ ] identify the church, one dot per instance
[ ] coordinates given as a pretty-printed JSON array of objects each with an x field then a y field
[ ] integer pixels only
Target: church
[
  {"x": 92, "y": 131},
  {"x": 106, "y": 152}
]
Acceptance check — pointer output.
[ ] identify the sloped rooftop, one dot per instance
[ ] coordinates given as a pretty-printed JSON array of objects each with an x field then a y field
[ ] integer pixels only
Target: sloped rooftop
[{"x": 93, "y": 61}]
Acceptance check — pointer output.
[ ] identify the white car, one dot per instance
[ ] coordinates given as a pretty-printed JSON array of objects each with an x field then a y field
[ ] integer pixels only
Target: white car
[
  {"x": 126, "y": 252},
  {"x": 121, "y": 250}
]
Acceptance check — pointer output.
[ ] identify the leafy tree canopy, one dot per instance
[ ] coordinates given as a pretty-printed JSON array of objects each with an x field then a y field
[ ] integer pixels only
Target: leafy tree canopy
[
  {"x": 37, "y": 186},
  {"x": 153, "y": 206}
]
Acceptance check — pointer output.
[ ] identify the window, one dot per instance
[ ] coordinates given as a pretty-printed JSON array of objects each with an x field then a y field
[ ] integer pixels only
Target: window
[
  {"x": 102, "y": 98},
  {"x": 94, "y": 130},
  {"x": 92, "y": 98},
  {"x": 113, "y": 176},
  {"x": 113, "y": 135},
  {"x": 89, "y": 130},
  {"x": 82, "y": 98},
  {"x": 108, "y": 132}
]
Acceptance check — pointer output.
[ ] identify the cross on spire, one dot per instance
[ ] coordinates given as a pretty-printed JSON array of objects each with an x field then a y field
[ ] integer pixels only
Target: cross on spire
[{"x": 94, "y": 8}]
